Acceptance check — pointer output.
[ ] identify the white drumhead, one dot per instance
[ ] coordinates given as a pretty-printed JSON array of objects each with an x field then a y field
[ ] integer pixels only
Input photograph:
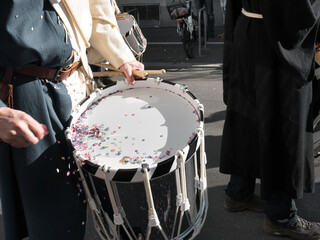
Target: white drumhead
[
  {"x": 128, "y": 126},
  {"x": 125, "y": 24}
]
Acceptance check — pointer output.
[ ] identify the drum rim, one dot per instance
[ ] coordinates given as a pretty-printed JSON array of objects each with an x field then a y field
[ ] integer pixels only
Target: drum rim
[
  {"x": 126, "y": 175},
  {"x": 157, "y": 170}
]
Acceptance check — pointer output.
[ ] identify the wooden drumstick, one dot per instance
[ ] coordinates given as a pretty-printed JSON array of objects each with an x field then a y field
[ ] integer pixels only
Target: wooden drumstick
[
  {"x": 146, "y": 73},
  {"x": 136, "y": 73},
  {"x": 142, "y": 73}
]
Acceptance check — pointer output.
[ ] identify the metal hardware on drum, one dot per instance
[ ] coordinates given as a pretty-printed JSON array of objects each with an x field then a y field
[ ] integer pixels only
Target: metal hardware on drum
[
  {"x": 140, "y": 152},
  {"x": 98, "y": 91},
  {"x": 132, "y": 34},
  {"x": 158, "y": 80},
  {"x": 184, "y": 87}
]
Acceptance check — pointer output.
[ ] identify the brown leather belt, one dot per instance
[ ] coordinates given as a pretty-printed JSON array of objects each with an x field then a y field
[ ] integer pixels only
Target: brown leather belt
[
  {"x": 6, "y": 88},
  {"x": 43, "y": 72}
]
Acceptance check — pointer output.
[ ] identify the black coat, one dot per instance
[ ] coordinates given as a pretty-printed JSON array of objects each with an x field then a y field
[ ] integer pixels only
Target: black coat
[{"x": 267, "y": 76}]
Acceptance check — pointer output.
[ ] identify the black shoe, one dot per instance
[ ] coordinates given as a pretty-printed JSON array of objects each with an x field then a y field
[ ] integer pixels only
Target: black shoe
[
  {"x": 302, "y": 230},
  {"x": 255, "y": 204}
]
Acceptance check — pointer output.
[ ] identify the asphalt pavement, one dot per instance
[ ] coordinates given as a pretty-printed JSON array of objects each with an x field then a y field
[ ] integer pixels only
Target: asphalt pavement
[{"x": 203, "y": 77}]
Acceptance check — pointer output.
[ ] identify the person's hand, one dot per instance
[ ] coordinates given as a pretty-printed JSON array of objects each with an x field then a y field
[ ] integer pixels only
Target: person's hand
[
  {"x": 127, "y": 69},
  {"x": 19, "y": 129}
]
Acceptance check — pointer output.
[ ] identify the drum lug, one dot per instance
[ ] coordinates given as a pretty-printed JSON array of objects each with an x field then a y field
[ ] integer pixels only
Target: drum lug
[
  {"x": 196, "y": 182},
  {"x": 145, "y": 166},
  {"x": 117, "y": 219},
  {"x": 98, "y": 92},
  {"x": 200, "y": 107},
  {"x": 158, "y": 80},
  {"x": 185, "y": 205},
  {"x": 203, "y": 185},
  {"x": 153, "y": 219},
  {"x": 179, "y": 200},
  {"x": 68, "y": 133},
  {"x": 184, "y": 88},
  {"x": 76, "y": 109}
]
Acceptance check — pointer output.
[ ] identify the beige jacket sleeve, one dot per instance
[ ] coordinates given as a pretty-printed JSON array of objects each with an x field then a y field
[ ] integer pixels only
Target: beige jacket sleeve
[{"x": 106, "y": 40}]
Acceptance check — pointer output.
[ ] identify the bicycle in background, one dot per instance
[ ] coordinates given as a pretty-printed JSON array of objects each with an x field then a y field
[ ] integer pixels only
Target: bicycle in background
[{"x": 187, "y": 24}]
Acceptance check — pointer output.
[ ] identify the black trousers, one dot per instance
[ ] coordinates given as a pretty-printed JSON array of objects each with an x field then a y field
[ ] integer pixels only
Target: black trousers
[{"x": 280, "y": 208}]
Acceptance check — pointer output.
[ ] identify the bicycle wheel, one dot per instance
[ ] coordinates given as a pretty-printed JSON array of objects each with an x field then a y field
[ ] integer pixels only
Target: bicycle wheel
[{"x": 188, "y": 43}]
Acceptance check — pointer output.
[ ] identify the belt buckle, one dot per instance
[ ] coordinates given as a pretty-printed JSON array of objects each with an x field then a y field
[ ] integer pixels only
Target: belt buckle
[{"x": 57, "y": 75}]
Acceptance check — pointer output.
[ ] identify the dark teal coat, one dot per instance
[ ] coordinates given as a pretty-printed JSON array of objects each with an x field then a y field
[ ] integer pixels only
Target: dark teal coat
[{"x": 39, "y": 187}]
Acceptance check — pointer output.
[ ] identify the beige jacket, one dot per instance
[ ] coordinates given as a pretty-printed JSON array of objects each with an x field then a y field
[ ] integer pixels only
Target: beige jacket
[{"x": 95, "y": 36}]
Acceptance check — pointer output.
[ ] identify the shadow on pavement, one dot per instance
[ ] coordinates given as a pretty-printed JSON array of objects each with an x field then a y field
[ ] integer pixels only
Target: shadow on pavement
[{"x": 223, "y": 225}]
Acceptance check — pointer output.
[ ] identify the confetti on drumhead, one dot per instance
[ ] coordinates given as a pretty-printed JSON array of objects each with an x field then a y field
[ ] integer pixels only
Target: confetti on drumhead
[{"x": 138, "y": 125}]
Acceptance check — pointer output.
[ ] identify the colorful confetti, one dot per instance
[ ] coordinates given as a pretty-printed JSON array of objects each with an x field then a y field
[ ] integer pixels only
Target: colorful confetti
[{"x": 97, "y": 141}]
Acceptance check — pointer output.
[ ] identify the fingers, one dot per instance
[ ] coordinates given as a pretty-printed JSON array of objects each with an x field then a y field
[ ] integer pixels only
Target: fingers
[
  {"x": 17, "y": 141},
  {"x": 20, "y": 129},
  {"x": 127, "y": 69},
  {"x": 36, "y": 129}
]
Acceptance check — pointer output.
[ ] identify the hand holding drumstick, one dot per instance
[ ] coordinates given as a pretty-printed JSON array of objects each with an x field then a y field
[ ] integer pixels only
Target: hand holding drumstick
[{"x": 129, "y": 70}]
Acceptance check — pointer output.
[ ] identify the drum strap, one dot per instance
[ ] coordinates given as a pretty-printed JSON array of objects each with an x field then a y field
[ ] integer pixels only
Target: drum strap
[{"x": 70, "y": 22}]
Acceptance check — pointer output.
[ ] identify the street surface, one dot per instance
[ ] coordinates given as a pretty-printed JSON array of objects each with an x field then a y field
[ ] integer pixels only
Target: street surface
[{"x": 203, "y": 76}]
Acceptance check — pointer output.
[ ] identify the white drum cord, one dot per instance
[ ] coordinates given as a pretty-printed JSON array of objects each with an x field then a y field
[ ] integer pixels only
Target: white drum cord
[
  {"x": 152, "y": 213},
  {"x": 203, "y": 161},
  {"x": 178, "y": 201},
  {"x": 170, "y": 186},
  {"x": 98, "y": 203},
  {"x": 96, "y": 213},
  {"x": 185, "y": 205},
  {"x": 203, "y": 178},
  {"x": 119, "y": 217}
]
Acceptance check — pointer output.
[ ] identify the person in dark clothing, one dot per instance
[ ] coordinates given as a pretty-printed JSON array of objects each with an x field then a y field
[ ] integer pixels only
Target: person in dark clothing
[
  {"x": 268, "y": 71},
  {"x": 210, "y": 14},
  {"x": 40, "y": 189}
]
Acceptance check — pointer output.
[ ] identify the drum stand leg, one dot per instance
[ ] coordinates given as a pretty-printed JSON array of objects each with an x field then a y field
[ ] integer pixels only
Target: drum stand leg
[
  {"x": 153, "y": 217},
  {"x": 97, "y": 218},
  {"x": 119, "y": 216}
]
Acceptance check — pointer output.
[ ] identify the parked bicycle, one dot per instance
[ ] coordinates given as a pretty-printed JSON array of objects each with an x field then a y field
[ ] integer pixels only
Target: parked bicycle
[{"x": 187, "y": 24}]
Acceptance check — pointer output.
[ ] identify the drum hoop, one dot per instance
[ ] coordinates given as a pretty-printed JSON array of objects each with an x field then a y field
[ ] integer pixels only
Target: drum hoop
[
  {"x": 135, "y": 174},
  {"x": 143, "y": 46}
]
